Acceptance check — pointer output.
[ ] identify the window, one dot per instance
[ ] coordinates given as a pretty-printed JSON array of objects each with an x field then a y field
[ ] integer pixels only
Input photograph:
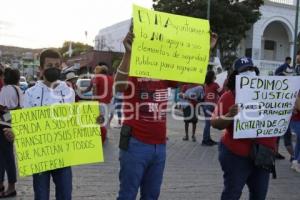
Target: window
[{"x": 270, "y": 45}]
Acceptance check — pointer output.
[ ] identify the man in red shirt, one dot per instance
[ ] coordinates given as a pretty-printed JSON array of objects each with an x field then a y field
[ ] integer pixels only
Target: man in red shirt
[{"x": 143, "y": 135}]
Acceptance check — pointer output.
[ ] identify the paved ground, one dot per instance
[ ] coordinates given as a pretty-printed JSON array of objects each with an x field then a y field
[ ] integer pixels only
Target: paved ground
[{"x": 192, "y": 172}]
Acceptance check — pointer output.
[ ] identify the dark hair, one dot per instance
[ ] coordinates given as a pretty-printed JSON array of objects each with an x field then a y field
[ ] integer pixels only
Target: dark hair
[
  {"x": 210, "y": 76},
  {"x": 48, "y": 53},
  {"x": 11, "y": 76},
  {"x": 1, "y": 72},
  {"x": 288, "y": 59},
  {"x": 298, "y": 52},
  {"x": 231, "y": 78},
  {"x": 102, "y": 63}
]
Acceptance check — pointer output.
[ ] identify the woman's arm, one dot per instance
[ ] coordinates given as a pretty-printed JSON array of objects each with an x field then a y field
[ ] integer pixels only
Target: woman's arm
[{"x": 222, "y": 122}]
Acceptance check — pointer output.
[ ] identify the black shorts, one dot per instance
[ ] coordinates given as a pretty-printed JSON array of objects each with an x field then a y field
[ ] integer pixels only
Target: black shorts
[{"x": 190, "y": 115}]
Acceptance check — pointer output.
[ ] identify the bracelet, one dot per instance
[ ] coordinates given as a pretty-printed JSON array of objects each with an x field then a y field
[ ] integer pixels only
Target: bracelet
[{"x": 122, "y": 72}]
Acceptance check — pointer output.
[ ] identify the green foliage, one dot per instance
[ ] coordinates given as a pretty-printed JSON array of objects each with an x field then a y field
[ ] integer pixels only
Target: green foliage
[
  {"x": 231, "y": 19},
  {"x": 77, "y": 48}
]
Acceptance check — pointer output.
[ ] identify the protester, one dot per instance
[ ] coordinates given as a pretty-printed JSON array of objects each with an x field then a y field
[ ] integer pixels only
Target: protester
[
  {"x": 102, "y": 91},
  {"x": 295, "y": 126},
  {"x": 212, "y": 93},
  {"x": 234, "y": 154},
  {"x": 190, "y": 108},
  {"x": 11, "y": 97},
  {"x": 97, "y": 71},
  {"x": 47, "y": 92},
  {"x": 285, "y": 69},
  {"x": 143, "y": 134},
  {"x": 71, "y": 80}
]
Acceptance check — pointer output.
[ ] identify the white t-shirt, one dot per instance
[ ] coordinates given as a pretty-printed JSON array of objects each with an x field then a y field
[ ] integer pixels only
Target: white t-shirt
[
  {"x": 42, "y": 95},
  {"x": 9, "y": 97}
]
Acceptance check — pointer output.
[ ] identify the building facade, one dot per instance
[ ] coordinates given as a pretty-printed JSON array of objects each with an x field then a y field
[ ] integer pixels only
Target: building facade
[{"x": 269, "y": 41}]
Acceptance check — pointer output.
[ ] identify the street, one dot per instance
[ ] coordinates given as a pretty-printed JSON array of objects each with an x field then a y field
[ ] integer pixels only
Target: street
[{"x": 192, "y": 172}]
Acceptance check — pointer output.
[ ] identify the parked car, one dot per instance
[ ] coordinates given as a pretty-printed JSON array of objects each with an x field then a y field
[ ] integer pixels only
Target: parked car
[
  {"x": 23, "y": 84},
  {"x": 83, "y": 84}
]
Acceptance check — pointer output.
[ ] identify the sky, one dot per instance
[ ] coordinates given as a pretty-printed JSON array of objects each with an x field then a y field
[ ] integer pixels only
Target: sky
[{"x": 48, "y": 23}]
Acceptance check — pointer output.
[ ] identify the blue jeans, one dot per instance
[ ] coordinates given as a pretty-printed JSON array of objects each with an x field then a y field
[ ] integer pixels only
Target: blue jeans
[
  {"x": 118, "y": 107},
  {"x": 239, "y": 171},
  {"x": 207, "y": 109},
  {"x": 62, "y": 179},
  {"x": 141, "y": 166},
  {"x": 295, "y": 126}
]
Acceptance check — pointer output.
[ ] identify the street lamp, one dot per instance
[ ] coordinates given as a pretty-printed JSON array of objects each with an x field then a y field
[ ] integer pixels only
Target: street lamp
[{"x": 296, "y": 33}]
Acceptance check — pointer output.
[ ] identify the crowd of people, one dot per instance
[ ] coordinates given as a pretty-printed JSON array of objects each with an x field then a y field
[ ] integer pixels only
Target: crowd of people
[{"x": 143, "y": 134}]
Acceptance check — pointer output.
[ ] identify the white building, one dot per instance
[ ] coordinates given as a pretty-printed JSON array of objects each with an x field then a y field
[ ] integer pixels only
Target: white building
[
  {"x": 268, "y": 42},
  {"x": 271, "y": 39}
]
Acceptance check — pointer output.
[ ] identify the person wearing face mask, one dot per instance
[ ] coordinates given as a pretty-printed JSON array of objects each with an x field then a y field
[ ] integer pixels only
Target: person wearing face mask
[
  {"x": 46, "y": 92},
  {"x": 234, "y": 154}
]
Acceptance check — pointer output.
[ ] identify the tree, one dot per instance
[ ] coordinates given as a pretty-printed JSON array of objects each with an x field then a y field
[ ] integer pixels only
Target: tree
[
  {"x": 231, "y": 19},
  {"x": 77, "y": 48}
]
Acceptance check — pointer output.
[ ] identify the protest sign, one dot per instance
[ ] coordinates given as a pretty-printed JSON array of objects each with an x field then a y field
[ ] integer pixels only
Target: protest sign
[
  {"x": 52, "y": 137},
  {"x": 266, "y": 104},
  {"x": 169, "y": 47}
]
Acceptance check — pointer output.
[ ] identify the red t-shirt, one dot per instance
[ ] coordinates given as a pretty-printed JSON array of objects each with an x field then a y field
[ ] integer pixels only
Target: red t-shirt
[
  {"x": 241, "y": 147},
  {"x": 104, "y": 88},
  {"x": 212, "y": 92},
  {"x": 296, "y": 115},
  {"x": 144, "y": 107}
]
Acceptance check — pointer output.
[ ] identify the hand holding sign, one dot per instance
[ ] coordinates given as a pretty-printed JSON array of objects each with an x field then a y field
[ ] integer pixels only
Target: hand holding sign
[
  {"x": 266, "y": 103},
  {"x": 52, "y": 137},
  {"x": 127, "y": 42},
  {"x": 233, "y": 111}
]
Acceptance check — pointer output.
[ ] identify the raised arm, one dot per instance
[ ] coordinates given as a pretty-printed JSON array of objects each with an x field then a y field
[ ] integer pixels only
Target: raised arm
[{"x": 121, "y": 77}]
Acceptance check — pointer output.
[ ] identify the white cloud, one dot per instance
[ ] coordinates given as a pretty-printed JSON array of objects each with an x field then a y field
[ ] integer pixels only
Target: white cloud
[{"x": 44, "y": 23}]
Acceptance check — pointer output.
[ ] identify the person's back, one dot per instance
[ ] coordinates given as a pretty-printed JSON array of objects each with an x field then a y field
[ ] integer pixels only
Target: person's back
[
  {"x": 104, "y": 87},
  {"x": 103, "y": 90}
]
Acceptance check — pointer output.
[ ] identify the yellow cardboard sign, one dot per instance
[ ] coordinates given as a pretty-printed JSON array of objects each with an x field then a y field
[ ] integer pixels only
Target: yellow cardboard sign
[
  {"x": 169, "y": 47},
  {"x": 57, "y": 136}
]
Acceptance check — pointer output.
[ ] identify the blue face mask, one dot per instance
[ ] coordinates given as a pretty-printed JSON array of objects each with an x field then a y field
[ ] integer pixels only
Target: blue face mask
[{"x": 248, "y": 73}]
